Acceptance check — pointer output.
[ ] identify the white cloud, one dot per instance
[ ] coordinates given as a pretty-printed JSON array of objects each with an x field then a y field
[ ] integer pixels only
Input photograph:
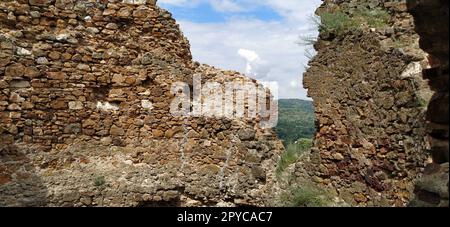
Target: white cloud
[
  {"x": 226, "y": 6},
  {"x": 254, "y": 64},
  {"x": 249, "y": 55},
  {"x": 265, "y": 50},
  {"x": 294, "y": 83},
  {"x": 177, "y": 2}
]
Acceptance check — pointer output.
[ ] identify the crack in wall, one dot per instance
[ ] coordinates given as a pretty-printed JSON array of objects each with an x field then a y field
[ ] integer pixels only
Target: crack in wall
[
  {"x": 222, "y": 170},
  {"x": 183, "y": 144}
]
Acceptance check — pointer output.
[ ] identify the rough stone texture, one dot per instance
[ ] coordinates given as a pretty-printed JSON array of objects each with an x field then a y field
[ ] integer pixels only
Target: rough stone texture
[
  {"x": 368, "y": 93},
  {"x": 432, "y": 21},
  {"x": 84, "y": 113}
]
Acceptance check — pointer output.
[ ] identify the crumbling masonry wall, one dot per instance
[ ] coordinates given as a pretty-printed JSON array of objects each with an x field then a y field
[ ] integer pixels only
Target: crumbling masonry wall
[
  {"x": 85, "y": 94},
  {"x": 369, "y": 98}
]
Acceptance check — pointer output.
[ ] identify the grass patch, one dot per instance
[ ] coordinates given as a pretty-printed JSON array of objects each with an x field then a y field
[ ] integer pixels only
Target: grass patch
[
  {"x": 399, "y": 44},
  {"x": 307, "y": 40},
  {"x": 423, "y": 103},
  {"x": 292, "y": 154},
  {"x": 310, "y": 40},
  {"x": 339, "y": 23},
  {"x": 375, "y": 18},
  {"x": 99, "y": 181},
  {"x": 306, "y": 195},
  {"x": 309, "y": 54}
]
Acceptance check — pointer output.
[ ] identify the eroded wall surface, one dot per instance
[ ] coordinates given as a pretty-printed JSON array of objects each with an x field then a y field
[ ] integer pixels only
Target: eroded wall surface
[
  {"x": 370, "y": 102},
  {"x": 85, "y": 113}
]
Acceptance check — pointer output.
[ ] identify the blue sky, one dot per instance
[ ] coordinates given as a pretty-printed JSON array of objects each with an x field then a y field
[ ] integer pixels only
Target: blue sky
[
  {"x": 205, "y": 13},
  {"x": 256, "y": 37}
]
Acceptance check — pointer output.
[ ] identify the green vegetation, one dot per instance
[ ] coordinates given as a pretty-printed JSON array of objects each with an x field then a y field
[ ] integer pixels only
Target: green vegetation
[
  {"x": 422, "y": 102},
  {"x": 310, "y": 53},
  {"x": 307, "y": 40},
  {"x": 292, "y": 154},
  {"x": 296, "y": 127},
  {"x": 374, "y": 18},
  {"x": 306, "y": 195},
  {"x": 99, "y": 181},
  {"x": 399, "y": 43},
  {"x": 296, "y": 120},
  {"x": 339, "y": 22}
]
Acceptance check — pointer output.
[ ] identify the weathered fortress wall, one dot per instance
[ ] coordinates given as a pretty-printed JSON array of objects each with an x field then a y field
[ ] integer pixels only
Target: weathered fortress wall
[
  {"x": 84, "y": 113},
  {"x": 370, "y": 102}
]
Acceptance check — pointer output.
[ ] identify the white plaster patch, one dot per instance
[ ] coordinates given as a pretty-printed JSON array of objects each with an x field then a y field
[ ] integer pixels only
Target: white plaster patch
[
  {"x": 412, "y": 70},
  {"x": 146, "y": 104},
  {"x": 62, "y": 37},
  {"x": 23, "y": 52},
  {"x": 147, "y": 92},
  {"x": 106, "y": 106}
]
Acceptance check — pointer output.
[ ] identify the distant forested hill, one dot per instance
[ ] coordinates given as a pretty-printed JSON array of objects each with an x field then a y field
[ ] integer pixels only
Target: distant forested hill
[{"x": 296, "y": 120}]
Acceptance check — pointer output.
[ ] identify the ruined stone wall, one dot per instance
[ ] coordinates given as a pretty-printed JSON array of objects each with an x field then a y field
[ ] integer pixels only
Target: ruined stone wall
[
  {"x": 370, "y": 100},
  {"x": 432, "y": 21},
  {"x": 85, "y": 121}
]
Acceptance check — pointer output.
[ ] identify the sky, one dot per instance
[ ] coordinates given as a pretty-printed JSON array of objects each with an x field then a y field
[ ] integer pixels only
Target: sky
[{"x": 259, "y": 38}]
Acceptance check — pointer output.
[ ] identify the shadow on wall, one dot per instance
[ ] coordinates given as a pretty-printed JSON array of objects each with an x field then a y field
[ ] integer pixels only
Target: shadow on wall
[
  {"x": 20, "y": 184},
  {"x": 432, "y": 24}
]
